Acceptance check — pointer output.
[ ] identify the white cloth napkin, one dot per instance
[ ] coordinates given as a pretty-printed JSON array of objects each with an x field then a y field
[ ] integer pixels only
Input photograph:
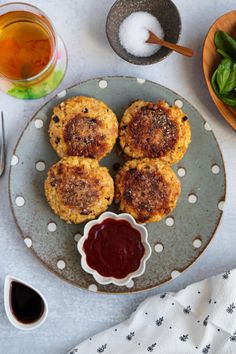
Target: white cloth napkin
[{"x": 199, "y": 319}]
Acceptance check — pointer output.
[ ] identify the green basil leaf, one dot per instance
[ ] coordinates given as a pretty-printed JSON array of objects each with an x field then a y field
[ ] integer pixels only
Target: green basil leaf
[
  {"x": 214, "y": 83},
  {"x": 231, "y": 82},
  {"x": 231, "y": 100},
  {"x": 226, "y": 43},
  {"x": 223, "y": 75},
  {"x": 221, "y": 52}
]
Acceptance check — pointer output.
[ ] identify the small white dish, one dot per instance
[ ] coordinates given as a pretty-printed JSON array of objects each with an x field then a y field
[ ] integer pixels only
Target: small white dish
[
  {"x": 144, "y": 238},
  {"x": 11, "y": 317}
]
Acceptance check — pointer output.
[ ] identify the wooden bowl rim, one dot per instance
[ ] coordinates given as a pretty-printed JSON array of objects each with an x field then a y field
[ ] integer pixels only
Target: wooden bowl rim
[{"x": 212, "y": 93}]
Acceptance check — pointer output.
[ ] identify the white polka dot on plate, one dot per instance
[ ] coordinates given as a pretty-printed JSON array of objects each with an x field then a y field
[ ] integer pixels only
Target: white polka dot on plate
[
  {"x": 197, "y": 243},
  {"x": 207, "y": 127},
  {"x": 192, "y": 198},
  {"x": 28, "y": 242},
  {"x": 38, "y": 123},
  {"x": 52, "y": 227},
  {"x": 14, "y": 160},
  {"x": 170, "y": 221},
  {"x": 175, "y": 274},
  {"x": 158, "y": 247},
  {"x": 179, "y": 103},
  {"x": 61, "y": 94},
  {"x": 20, "y": 201},
  {"x": 102, "y": 84},
  {"x": 181, "y": 172},
  {"x": 93, "y": 287},
  {"x": 221, "y": 205},
  {"x": 40, "y": 166},
  {"x": 130, "y": 284},
  {"x": 215, "y": 169},
  {"x": 77, "y": 237},
  {"x": 141, "y": 81},
  {"x": 61, "y": 264}
]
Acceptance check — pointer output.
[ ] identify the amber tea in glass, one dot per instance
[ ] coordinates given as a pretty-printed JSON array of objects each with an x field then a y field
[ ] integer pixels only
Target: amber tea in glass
[
  {"x": 29, "y": 51},
  {"x": 26, "y": 44}
]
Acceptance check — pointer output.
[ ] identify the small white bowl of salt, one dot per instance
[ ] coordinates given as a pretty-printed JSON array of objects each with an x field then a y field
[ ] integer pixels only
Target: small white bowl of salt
[{"x": 129, "y": 23}]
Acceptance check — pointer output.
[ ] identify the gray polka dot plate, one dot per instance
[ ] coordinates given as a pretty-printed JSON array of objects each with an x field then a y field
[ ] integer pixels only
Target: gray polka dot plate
[{"x": 177, "y": 241}]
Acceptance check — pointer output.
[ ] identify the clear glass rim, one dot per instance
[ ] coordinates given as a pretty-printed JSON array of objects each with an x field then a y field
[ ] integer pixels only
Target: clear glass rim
[{"x": 53, "y": 58}]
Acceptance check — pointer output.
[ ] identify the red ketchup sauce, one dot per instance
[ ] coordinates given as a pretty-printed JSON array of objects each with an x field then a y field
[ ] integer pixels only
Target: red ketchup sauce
[{"x": 114, "y": 248}]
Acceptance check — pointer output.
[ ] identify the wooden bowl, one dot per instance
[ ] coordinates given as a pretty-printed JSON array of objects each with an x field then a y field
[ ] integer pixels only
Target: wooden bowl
[{"x": 211, "y": 60}]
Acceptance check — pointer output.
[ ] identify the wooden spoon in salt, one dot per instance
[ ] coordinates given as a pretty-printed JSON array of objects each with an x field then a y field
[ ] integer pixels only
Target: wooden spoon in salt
[{"x": 153, "y": 39}]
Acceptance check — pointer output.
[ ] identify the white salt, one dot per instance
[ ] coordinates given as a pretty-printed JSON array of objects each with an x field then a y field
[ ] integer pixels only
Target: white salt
[{"x": 133, "y": 33}]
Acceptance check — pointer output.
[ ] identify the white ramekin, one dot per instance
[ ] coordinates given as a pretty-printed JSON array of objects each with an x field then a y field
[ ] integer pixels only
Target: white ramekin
[{"x": 144, "y": 238}]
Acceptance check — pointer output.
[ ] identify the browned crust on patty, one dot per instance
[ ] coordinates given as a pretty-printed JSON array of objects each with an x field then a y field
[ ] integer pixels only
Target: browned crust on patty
[
  {"x": 154, "y": 130},
  {"x": 83, "y": 126},
  {"x": 83, "y": 137},
  {"x": 147, "y": 189},
  {"x": 78, "y": 189}
]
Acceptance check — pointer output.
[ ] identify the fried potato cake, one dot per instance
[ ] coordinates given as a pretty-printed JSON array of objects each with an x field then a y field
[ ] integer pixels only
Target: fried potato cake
[
  {"x": 155, "y": 130},
  {"x": 148, "y": 189},
  {"x": 78, "y": 189},
  {"x": 83, "y": 126}
]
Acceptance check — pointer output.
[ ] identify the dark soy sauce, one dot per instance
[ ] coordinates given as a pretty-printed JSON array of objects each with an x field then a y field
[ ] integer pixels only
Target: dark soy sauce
[{"x": 26, "y": 304}]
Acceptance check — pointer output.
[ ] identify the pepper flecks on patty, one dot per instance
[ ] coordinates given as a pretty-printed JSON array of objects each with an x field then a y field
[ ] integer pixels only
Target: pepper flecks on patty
[
  {"x": 82, "y": 137},
  {"x": 154, "y": 130},
  {"x": 83, "y": 126},
  {"x": 78, "y": 189},
  {"x": 147, "y": 189}
]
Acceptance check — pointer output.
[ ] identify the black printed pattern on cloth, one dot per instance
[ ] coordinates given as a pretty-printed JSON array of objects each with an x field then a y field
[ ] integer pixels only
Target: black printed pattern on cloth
[
  {"x": 187, "y": 309},
  {"x": 74, "y": 351},
  {"x": 102, "y": 348},
  {"x": 226, "y": 274},
  {"x": 205, "y": 322},
  {"x": 159, "y": 321},
  {"x": 233, "y": 337},
  {"x": 130, "y": 336},
  {"x": 151, "y": 347},
  {"x": 184, "y": 337},
  {"x": 196, "y": 324},
  {"x": 230, "y": 308},
  {"x": 206, "y": 349}
]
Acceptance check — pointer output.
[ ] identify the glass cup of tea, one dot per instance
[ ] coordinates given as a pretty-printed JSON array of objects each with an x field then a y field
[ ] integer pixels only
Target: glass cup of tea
[{"x": 33, "y": 58}]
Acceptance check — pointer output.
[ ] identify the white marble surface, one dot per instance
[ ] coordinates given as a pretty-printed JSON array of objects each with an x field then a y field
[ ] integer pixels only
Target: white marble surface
[{"x": 75, "y": 314}]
